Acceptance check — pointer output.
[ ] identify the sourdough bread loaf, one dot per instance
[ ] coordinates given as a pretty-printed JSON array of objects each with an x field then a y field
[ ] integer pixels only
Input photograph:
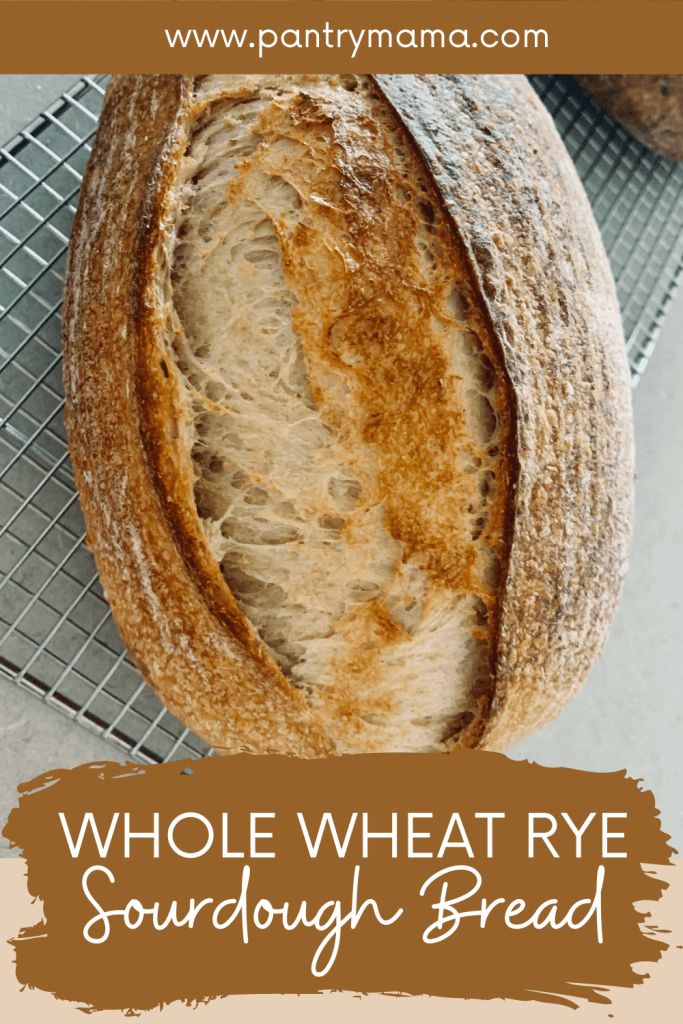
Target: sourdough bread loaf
[
  {"x": 348, "y": 407},
  {"x": 648, "y": 106}
]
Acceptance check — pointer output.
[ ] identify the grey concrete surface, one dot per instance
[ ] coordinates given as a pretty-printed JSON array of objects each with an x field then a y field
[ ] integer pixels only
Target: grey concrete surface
[{"x": 630, "y": 712}]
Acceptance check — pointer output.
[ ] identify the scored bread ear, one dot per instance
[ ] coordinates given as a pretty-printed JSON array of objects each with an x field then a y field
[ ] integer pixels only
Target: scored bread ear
[
  {"x": 517, "y": 202},
  {"x": 331, "y": 369}
]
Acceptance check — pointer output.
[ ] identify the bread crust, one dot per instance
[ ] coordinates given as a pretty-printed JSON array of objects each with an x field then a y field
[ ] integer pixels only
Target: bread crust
[
  {"x": 179, "y": 622},
  {"x": 649, "y": 106},
  {"x": 509, "y": 188}
]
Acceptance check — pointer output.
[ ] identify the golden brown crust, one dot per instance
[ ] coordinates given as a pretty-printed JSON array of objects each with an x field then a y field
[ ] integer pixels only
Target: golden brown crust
[
  {"x": 649, "y": 106},
  {"x": 518, "y": 205},
  {"x": 546, "y": 300}
]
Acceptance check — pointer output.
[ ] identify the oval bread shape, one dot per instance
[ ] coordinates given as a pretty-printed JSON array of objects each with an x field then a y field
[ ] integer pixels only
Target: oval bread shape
[{"x": 348, "y": 407}]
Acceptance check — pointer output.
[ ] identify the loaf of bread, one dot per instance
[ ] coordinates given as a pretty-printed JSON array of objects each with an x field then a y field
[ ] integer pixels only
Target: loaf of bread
[
  {"x": 649, "y": 106},
  {"x": 348, "y": 407}
]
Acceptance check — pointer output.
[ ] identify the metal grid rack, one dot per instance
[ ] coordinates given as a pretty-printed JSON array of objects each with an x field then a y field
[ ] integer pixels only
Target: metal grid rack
[
  {"x": 57, "y": 637},
  {"x": 637, "y": 199}
]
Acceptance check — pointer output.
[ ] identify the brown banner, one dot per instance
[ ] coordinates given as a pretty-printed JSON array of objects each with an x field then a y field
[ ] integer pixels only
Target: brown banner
[
  {"x": 470, "y": 876},
  {"x": 651, "y": 1001},
  {"x": 573, "y": 36}
]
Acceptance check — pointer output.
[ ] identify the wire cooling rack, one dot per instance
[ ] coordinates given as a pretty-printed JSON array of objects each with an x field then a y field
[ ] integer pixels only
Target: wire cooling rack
[
  {"x": 57, "y": 636},
  {"x": 637, "y": 199}
]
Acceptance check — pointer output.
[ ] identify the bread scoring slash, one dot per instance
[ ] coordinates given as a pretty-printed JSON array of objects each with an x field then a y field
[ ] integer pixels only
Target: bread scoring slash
[{"x": 348, "y": 407}]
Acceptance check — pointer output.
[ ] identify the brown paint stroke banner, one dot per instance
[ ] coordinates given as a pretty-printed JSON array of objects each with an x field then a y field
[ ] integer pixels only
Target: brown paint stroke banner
[
  {"x": 258, "y": 818},
  {"x": 581, "y": 36}
]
